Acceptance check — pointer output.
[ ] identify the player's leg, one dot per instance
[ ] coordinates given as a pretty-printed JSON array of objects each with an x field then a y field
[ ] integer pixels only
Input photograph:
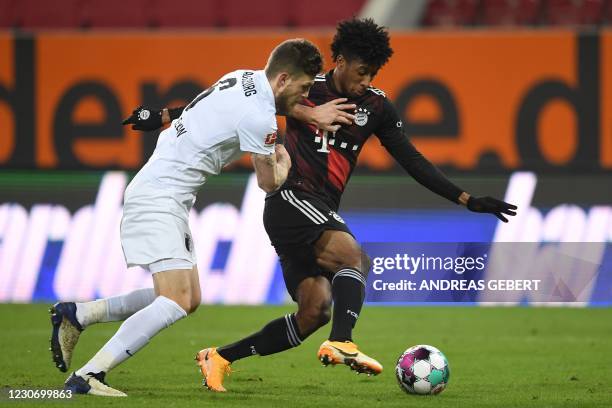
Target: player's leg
[
  {"x": 337, "y": 251},
  {"x": 178, "y": 295},
  {"x": 314, "y": 299},
  {"x": 314, "y": 311},
  {"x": 115, "y": 308},
  {"x": 69, "y": 319},
  {"x": 313, "y": 295}
]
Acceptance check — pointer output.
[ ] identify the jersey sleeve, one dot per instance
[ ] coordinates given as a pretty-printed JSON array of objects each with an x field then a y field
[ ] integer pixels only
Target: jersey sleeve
[
  {"x": 257, "y": 133},
  {"x": 391, "y": 135}
]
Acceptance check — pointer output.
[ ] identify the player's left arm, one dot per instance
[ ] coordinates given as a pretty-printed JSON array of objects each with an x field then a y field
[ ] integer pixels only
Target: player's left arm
[
  {"x": 393, "y": 138},
  {"x": 271, "y": 170}
]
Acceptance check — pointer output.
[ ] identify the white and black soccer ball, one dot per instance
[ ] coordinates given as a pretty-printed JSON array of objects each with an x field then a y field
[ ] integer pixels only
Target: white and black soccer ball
[{"x": 423, "y": 370}]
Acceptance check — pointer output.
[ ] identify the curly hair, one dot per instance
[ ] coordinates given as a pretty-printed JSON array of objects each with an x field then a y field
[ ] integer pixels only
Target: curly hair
[{"x": 363, "y": 39}]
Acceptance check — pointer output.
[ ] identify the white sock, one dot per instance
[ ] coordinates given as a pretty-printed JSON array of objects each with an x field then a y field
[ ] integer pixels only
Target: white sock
[
  {"x": 114, "y": 308},
  {"x": 134, "y": 334}
]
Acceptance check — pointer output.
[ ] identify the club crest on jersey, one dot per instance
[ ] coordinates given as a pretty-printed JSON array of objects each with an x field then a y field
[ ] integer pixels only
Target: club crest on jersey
[
  {"x": 144, "y": 114},
  {"x": 336, "y": 216},
  {"x": 361, "y": 116},
  {"x": 270, "y": 139}
]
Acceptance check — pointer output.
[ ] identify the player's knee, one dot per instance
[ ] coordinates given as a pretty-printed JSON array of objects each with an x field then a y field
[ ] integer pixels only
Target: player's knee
[
  {"x": 345, "y": 259},
  {"x": 196, "y": 300},
  {"x": 187, "y": 300}
]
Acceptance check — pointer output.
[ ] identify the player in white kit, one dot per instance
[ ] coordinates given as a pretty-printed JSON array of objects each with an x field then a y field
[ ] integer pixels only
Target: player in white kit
[{"x": 235, "y": 115}]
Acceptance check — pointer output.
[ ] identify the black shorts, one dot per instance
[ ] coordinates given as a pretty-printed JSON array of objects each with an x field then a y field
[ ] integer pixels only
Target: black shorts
[{"x": 294, "y": 221}]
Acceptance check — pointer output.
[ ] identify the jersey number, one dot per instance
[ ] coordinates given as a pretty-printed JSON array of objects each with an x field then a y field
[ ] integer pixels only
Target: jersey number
[{"x": 225, "y": 84}]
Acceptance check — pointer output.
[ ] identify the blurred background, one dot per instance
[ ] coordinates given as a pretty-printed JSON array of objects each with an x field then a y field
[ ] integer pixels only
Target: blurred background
[{"x": 511, "y": 98}]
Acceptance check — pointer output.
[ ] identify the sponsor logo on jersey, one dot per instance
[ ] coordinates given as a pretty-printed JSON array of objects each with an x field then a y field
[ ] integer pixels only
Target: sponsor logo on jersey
[
  {"x": 270, "y": 139},
  {"x": 361, "y": 116}
]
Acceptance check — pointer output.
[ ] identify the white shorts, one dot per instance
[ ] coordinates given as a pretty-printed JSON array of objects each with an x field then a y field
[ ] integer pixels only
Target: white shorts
[{"x": 155, "y": 227}]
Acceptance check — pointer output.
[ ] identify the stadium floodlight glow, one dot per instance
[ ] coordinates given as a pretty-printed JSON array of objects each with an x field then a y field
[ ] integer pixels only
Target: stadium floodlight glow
[
  {"x": 34, "y": 245},
  {"x": 241, "y": 269},
  {"x": 520, "y": 193},
  {"x": 251, "y": 253},
  {"x": 579, "y": 239},
  {"x": 11, "y": 250},
  {"x": 84, "y": 272},
  {"x": 107, "y": 204},
  {"x": 72, "y": 264},
  {"x": 216, "y": 223},
  {"x": 60, "y": 222}
]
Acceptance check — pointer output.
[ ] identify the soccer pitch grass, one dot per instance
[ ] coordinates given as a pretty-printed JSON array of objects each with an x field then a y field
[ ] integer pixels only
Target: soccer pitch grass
[{"x": 499, "y": 357}]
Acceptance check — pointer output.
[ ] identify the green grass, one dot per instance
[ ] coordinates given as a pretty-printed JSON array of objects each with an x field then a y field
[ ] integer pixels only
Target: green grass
[{"x": 499, "y": 357}]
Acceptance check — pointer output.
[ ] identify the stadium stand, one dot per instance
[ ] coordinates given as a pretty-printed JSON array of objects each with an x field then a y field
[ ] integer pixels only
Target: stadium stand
[
  {"x": 444, "y": 13},
  {"x": 607, "y": 13},
  {"x": 189, "y": 14},
  {"x": 267, "y": 13},
  {"x": 450, "y": 13},
  {"x": 116, "y": 13},
  {"x": 310, "y": 13},
  {"x": 33, "y": 14},
  {"x": 7, "y": 18},
  {"x": 572, "y": 12},
  {"x": 48, "y": 14},
  {"x": 510, "y": 12},
  {"x": 186, "y": 13}
]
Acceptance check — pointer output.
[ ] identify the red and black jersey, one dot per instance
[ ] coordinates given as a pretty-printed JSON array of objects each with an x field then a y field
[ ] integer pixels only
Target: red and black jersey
[{"x": 322, "y": 162}]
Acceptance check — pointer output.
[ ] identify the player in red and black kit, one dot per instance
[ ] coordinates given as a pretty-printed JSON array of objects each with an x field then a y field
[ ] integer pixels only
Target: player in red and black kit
[{"x": 320, "y": 258}]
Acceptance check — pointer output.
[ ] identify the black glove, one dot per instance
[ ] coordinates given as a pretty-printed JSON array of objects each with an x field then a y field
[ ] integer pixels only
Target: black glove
[
  {"x": 491, "y": 205},
  {"x": 144, "y": 119}
]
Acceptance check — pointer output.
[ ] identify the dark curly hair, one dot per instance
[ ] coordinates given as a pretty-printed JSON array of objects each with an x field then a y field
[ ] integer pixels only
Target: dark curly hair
[{"x": 363, "y": 39}]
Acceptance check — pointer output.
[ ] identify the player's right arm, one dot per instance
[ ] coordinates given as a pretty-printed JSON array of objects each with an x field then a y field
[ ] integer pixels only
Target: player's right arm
[
  {"x": 147, "y": 119},
  {"x": 328, "y": 116},
  {"x": 271, "y": 169}
]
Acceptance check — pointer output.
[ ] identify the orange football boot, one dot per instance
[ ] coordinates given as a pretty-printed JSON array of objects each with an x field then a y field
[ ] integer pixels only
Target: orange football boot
[
  {"x": 214, "y": 368},
  {"x": 346, "y": 352}
]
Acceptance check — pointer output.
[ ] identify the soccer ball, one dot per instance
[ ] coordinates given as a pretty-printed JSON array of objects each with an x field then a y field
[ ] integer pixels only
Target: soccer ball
[{"x": 422, "y": 370}]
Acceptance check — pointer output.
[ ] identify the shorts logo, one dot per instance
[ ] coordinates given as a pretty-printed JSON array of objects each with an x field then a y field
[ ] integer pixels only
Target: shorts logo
[
  {"x": 336, "y": 217},
  {"x": 270, "y": 139},
  {"x": 361, "y": 116},
  {"x": 188, "y": 243}
]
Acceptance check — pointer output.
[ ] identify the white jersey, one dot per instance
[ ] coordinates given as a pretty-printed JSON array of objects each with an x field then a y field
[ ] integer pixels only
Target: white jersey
[{"x": 235, "y": 115}]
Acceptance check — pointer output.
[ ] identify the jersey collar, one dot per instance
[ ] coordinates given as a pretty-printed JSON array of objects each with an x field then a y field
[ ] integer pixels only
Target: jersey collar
[{"x": 329, "y": 78}]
